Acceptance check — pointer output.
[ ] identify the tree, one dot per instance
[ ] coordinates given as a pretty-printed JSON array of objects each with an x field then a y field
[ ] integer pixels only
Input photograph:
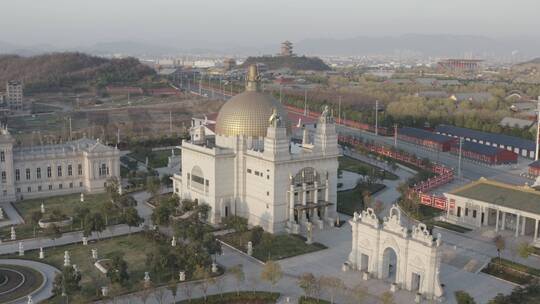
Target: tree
[
  {"x": 112, "y": 189},
  {"x": 34, "y": 218},
  {"x": 53, "y": 232},
  {"x": 525, "y": 250},
  {"x": 131, "y": 218},
  {"x": 464, "y": 298},
  {"x": 500, "y": 244},
  {"x": 118, "y": 274},
  {"x": 161, "y": 215},
  {"x": 153, "y": 185},
  {"x": 238, "y": 224},
  {"x": 173, "y": 288},
  {"x": 94, "y": 223},
  {"x": 310, "y": 285},
  {"x": 257, "y": 233},
  {"x": 105, "y": 209},
  {"x": 239, "y": 276},
  {"x": 205, "y": 278},
  {"x": 358, "y": 293},
  {"x": 272, "y": 273},
  {"x": 387, "y": 298},
  {"x": 187, "y": 289},
  {"x": 81, "y": 212},
  {"x": 332, "y": 285},
  {"x": 67, "y": 281}
]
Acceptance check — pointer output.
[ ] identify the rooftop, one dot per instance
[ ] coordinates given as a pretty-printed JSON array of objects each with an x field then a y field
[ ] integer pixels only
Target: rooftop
[
  {"x": 479, "y": 148},
  {"x": 516, "y": 197},
  {"x": 490, "y": 137},
  {"x": 423, "y": 134}
]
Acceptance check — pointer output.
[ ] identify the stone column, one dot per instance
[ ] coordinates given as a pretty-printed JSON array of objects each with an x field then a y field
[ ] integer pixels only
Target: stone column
[
  {"x": 479, "y": 216},
  {"x": 497, "y": 222},
  {"x": 523, "y": 222},
  {"x": 535, "y": 229},
  {"x": 517, "y": 225},
  {"x": 503, "y": 221},
  {"x": 304, "y": 202},
  {"x": 486, "y": 217},
  {"x": 315, "y": 199},
  {"x": 291, "y": 203}
]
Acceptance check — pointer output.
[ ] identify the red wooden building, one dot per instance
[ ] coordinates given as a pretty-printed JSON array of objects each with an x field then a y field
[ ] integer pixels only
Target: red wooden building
[
  {"x": 425, "y": 138},
  {"x": 485, "y": 154}
]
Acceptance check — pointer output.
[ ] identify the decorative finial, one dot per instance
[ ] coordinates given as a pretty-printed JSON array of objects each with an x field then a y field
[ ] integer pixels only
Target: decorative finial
[
  {"x": 275, "y": 118},
  {"x": 252, "y": 78}
]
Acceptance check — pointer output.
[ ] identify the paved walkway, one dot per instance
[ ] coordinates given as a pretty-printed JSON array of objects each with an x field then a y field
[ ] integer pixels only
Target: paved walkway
[
  {"x": 47, "y": 270},
  {"x": 13, "y": 217}
]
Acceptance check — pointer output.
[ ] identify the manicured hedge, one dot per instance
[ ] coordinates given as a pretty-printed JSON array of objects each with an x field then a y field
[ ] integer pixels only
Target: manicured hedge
[{"x": 244, "y": 297}]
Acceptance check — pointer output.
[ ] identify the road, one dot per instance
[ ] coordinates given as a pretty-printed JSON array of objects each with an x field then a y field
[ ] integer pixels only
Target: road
[{"x": 470, "y": 170}]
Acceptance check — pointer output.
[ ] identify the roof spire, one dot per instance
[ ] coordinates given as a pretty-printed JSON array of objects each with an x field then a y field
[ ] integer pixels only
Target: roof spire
[{"x": 252, "y": 78}]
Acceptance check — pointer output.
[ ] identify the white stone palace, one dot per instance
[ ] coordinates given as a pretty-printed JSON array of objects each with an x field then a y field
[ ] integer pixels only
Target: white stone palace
[
  {"x": 251, "y": 168},
  {"x": 82, "y": 165},
  {"x": 391, "y": 252}
]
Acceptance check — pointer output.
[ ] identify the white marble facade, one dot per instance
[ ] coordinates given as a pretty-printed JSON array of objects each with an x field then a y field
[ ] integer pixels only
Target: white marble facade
[
  {"x": 262, "y": 178},
  {"x": 78, "y": 166},
  {"x": 389, "y": 251}
]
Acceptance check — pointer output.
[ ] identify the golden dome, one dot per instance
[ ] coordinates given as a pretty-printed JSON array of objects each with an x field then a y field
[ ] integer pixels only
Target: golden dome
[{"x": 247, "y": 114}]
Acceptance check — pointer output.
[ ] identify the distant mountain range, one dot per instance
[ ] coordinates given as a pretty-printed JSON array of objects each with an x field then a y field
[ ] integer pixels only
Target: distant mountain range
[{"x": 416, "y": 45}]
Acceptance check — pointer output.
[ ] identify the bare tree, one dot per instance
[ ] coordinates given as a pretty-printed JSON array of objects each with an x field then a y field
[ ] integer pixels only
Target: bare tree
[
  {"x": 205, "y": 280},
  {"x": 239, "y": 276},
  {"x": 159, "y": 294},
  {"x": 187, "y": 289},
  {"x": 332, "y": 286},
  {"x": 272, "y": 273}
]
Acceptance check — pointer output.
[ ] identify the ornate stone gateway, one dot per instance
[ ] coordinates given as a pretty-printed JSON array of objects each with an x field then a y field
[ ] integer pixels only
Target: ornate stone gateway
[{"x": 410, "y": 259}]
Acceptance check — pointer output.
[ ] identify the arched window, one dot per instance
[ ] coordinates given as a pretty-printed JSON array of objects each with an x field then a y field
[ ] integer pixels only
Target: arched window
[
  {"x": 197, "y": 178},
  {"x": 307, "y": 175}
]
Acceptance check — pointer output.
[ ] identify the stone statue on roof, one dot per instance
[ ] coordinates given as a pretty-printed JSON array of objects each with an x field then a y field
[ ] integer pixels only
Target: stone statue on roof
[{"x": 275, "y": 119}]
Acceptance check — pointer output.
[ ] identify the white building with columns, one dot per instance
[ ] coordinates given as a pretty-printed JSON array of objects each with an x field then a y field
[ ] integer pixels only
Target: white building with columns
[
  {"x": 252, "y": 169},
  {"x": 408, "y": 258},
  {"x": 485, "y": 203},
  {"x": 78, "y": 166}
]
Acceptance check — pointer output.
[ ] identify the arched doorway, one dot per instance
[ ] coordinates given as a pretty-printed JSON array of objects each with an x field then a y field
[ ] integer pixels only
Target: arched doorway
[{"x": 389, "y": 265}]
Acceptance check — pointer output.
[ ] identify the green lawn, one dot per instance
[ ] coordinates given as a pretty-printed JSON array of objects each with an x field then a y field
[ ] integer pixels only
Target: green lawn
[
  {"x": 134, "y": 249},
  {"x": 273, "y": 246},
  {"x": 349, "y": 201},
  {"x": 360, "y": 167},
  {"x": 309, "y": 300},
  {"x": 66, "y": 204},
  {"x": 511, "y": 271},
  {"x": 244, "y": 297},
  {"x": 423, "y": 214}
]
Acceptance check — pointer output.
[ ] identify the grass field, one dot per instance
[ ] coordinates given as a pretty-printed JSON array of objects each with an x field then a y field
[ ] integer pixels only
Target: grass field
[
  {"x": 362, "y": 168},
  {"x": 65, "y": 203},
  {"x": 273, "y": 247},
  {"x": 350, "y": 201},
  {"x": 133, "y": 248},
  {"x": 511, "y": 271},
  {"x": 244, "y": 297}
]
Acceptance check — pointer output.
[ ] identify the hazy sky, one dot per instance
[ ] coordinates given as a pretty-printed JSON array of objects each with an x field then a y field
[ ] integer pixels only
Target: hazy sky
[{"x": 249, "y": 23}]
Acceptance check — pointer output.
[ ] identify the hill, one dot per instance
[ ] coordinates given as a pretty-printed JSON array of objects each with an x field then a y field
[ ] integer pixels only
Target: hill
[
  {"x": 293, "y": 62},
  {"x": 69, "y": 71}
]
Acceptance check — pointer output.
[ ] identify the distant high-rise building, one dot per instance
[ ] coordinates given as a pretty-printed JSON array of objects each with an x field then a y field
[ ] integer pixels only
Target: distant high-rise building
[
  {"x": 287, "y": 48},
  {"x": 14, "y": 95}
]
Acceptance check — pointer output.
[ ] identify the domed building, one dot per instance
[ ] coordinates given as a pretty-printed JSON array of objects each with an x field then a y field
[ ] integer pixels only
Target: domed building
[{"x": 249, "y": 166}]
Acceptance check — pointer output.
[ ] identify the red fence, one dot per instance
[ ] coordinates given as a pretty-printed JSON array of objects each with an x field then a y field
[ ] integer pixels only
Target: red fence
[{"x": 443, "y": 175}]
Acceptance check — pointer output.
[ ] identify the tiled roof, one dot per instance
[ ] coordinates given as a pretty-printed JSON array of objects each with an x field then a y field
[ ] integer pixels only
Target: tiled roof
[{"x": 490, "y": 137}]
